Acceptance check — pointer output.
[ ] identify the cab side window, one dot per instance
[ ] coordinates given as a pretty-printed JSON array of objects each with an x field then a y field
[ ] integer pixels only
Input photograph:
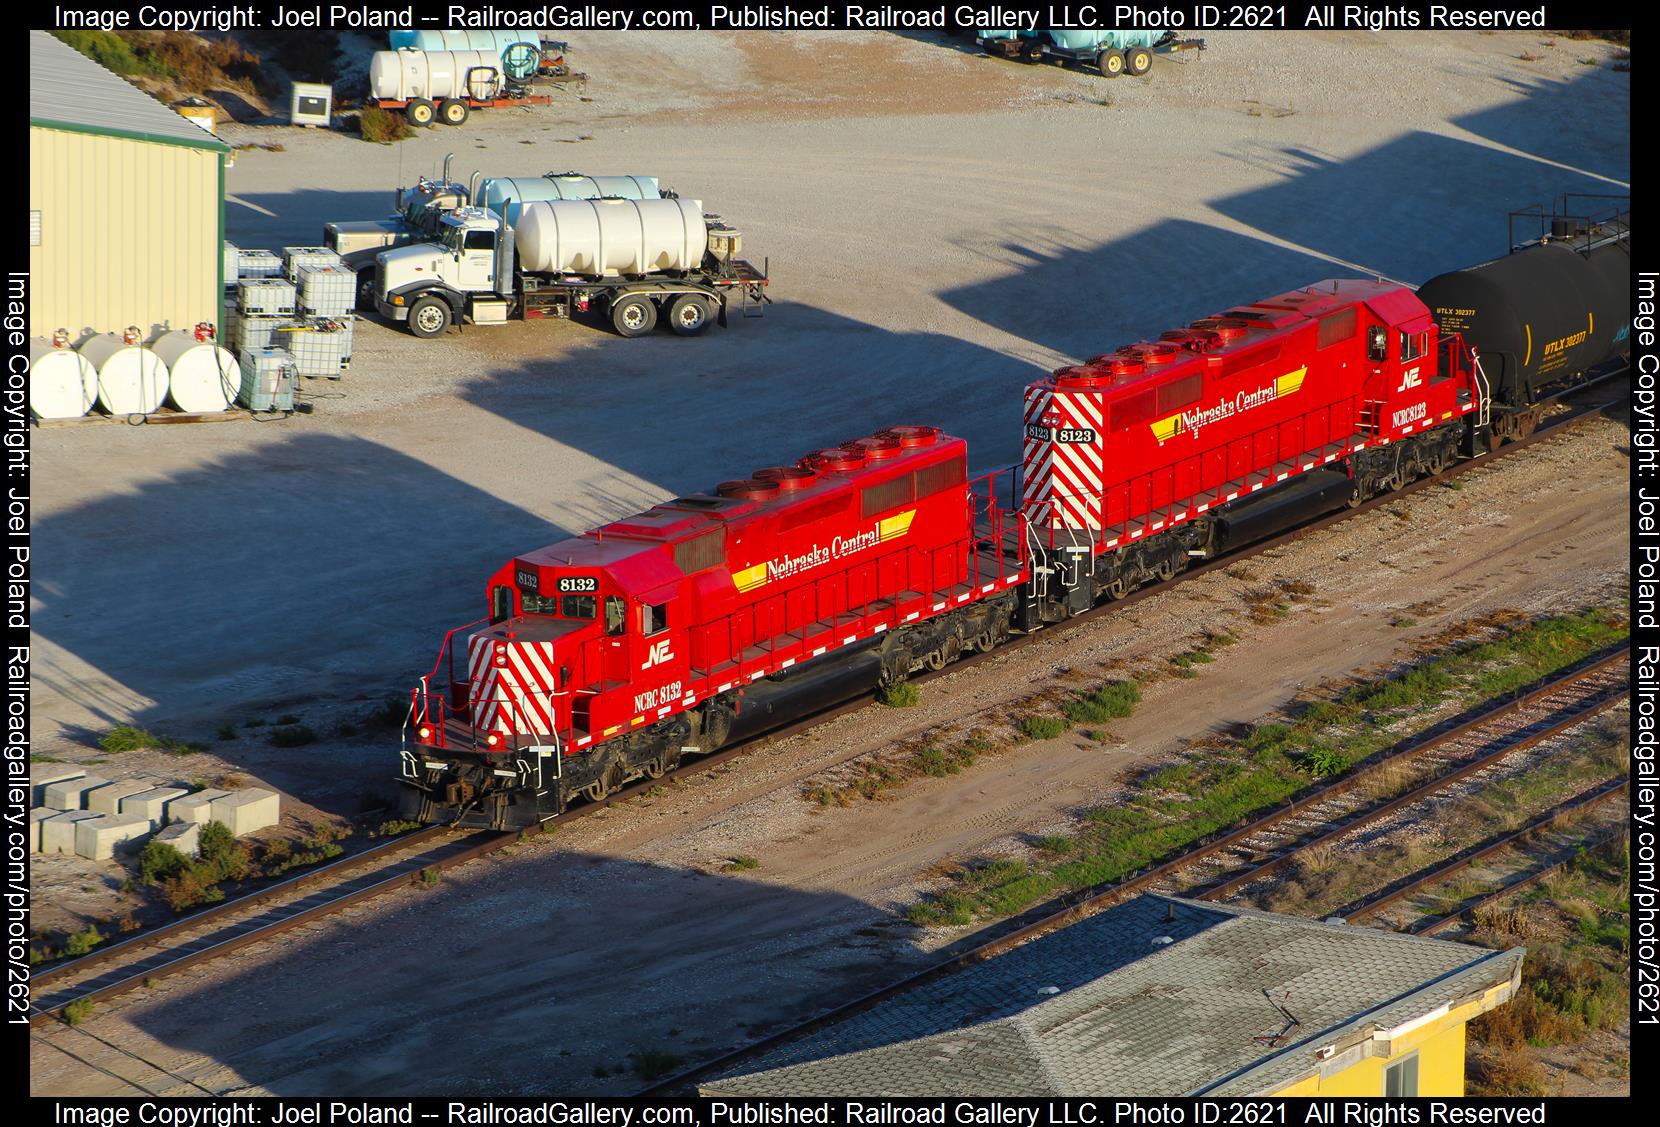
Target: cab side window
[
  {"x": 481, "y": 240},
  {"x": 654, "y": 619},
  {"x": 615, "y": 615},
  {"x": 1413, "y": 346},
  {"x": 1377, "y": 344},
  {"x": 501, "y": 604}
]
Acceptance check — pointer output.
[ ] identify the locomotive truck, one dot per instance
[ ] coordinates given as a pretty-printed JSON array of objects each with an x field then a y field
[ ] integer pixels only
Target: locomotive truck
[
  {"x": 634, "y": 261},
  {"x": 608, "y": 656}
]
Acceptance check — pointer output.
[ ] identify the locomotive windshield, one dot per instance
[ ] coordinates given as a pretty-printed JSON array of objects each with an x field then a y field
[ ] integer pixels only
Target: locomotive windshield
[{"x": 579, "y": 607}]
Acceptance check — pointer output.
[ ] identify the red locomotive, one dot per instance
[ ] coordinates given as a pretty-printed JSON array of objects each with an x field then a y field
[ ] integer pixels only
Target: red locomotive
[{"x": 609, "y": 656}]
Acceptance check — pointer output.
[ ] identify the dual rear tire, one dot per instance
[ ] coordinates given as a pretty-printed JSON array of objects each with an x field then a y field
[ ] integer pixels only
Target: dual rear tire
[{"x": 634, "y": 315}]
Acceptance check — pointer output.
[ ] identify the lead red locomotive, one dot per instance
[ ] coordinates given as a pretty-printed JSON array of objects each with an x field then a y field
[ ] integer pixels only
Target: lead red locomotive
[{"x": 609, "y": 656}]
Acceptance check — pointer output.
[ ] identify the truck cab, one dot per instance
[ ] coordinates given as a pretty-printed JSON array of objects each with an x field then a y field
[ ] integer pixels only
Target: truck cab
[{"x": 432, "y": 284}]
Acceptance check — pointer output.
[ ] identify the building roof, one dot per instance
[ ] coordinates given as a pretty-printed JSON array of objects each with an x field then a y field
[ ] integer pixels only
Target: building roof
[
  {"x": 67, "y": 90},
  {"x": 1156, "y": 996}
]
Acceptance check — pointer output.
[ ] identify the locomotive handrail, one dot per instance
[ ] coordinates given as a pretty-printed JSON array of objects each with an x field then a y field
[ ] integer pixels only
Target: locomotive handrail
[{"x": 1101, "y": 534}]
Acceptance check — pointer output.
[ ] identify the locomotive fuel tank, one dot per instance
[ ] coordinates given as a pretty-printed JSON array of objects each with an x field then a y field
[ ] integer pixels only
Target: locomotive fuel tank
[{"x": 1538, "y": 316}]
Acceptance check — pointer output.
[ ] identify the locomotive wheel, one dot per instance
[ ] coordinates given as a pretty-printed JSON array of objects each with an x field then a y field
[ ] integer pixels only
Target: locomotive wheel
[
  {"x": 609, "y": 782},
  {"x": 1111, "y": 62},
  {"x": 1117, "y": 589},
  {"x": 1166, "y": 569},
  {"x": 987, "y": 641},
  {"x": 453, "y": 111},
  {"x": 654, "y": 768},
  {"x": 420, "y": 113},
  {"x": 689, "y": 315},
  {"x": 1138, "y": 61},
  {"x": 633, "y": 316},
  {"x": 952, "y": 649},
  {"x": 429, "y": 317},
  {"x": 934, "y": 660}
]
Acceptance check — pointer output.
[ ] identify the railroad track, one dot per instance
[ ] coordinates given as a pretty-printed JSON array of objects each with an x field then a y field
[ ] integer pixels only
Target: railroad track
[
  {"x": 1464, "y": 753},
  {"x": 1537, "y": 831},
  {"x": 121, "y": 967},
  {"x": 1560, "y": 702}
]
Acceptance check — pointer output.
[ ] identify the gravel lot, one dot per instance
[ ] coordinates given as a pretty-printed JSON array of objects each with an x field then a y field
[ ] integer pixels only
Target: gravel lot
[{"x": 941, "y": 227}]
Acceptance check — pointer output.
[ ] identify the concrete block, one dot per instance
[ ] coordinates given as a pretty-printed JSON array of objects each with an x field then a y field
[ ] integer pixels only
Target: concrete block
[
  {"x": 247, "y": 810},
  {"x": 194, "y": 807},
  {"x": 70, "y": 794},
  {"x": 97, "y": 838},
  {"x": 57, "y": 834},
  {"x": 184, "y": 836},
  {"x": 152, "y": 804},
  {"x": 36, "y": 816},
  {"x": 107, "y": 798},
  {"x": 42, "y": 777}
]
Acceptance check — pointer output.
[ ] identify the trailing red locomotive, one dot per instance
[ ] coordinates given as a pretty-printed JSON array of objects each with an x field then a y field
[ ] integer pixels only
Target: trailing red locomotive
[{"x": 609, "y": 656}]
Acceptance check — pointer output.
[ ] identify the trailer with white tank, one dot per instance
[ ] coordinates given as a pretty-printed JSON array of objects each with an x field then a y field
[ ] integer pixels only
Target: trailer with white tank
[
  {"x": 446, "y": 86},
  {"x": 1111, "y": 52},
  {"x": 634, "y": 261},
  {"x": 417, "y": 210}
]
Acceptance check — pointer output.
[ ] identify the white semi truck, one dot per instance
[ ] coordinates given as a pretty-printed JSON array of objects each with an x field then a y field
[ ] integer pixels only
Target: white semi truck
[{"x": 633, "y": 261}]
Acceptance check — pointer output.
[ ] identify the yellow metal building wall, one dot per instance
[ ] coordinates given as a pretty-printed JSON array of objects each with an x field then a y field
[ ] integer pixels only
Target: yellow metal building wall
[
  {"x": 1440, "y": 1069},
  {"x": 129, "y": 233}
]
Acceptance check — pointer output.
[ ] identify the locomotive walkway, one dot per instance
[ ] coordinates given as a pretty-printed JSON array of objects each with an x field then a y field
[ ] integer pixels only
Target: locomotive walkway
[{"x": 124, "y": 966}]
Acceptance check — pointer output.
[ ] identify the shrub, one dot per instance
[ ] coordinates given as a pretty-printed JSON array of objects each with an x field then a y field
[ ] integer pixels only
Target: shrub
[
  {"x": 652, "y": 1063},
  {"x": 1323, "y": 762},
  {"x": 1042, "y": 727},
  {"x": 293, "y": 735},
  {"x": 742, "y": 863},
  {"x": 83, "y": 941},
  {"x": 1112, "y": 701},
  {"x": 125, "y": 737},
  {"x": 900, "y": 694},
  {"x": 227, "y": 731},
  {"x": 223, "y": 857},
  {"x": 159, "y": 860},
  {"x": 383, "y": 126},
  {"x": 112, "y": 52},
  {"x": 78, "y": 1011}
]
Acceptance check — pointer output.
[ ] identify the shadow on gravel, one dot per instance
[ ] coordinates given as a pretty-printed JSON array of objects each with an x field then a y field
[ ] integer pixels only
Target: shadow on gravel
[
  {"x": 292, "y": 567},
  {"x": 533, "y": 971}
]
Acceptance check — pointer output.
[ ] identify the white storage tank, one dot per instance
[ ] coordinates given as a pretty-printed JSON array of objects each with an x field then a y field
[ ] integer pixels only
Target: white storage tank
[
  {"x": 520, "y": 190},
  {"x": 400, "y": 76},
  {"x": 201, "y": 376},
  {"x": 132, "y": 380},
  {"x": 63, "y": 384},
  {"x": 608, "y": 237}
]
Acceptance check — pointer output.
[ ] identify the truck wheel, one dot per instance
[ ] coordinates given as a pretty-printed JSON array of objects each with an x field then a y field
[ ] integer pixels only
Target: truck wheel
[
  {"x": 632, "y": 316},
  {"x": 420, "y": 113},
  {"x": 1031, "y": 51},
  {"x": 1111, "y": 62},
  {"x": 366, "y": 289},
  {"x": 453, "y": 111},
  {"x": 429, "y": 317},
  {"x": 1138, "y": 61},
  {"x": 689, "y": 315}
]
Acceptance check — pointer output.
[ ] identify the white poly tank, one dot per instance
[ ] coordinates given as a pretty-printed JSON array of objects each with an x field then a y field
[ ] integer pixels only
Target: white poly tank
[
  {"x": 516, "y": 191},
  {"x": 610, "y": 237},
  {"x": 63, "y": 384},
  {"x": 400, "y": 76},
  {"x": 132, "y": 380},
  {"x": 202, "y": 377}
]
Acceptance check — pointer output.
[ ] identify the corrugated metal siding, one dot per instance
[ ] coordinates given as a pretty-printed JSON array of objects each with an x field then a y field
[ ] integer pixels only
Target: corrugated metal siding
[
  {"x": 67, "y": 87},
  {"x": 129, "y": 233}
]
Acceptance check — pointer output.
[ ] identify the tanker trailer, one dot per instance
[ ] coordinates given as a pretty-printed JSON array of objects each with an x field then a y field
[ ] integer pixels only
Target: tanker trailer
[
  {"x": 447, "y": 86},
  {"x": 1549, "y": 315},
  {"x": 417, "y": 210},
  {"x": 632, "y": 261},
  {"x": 1112, "y": 52}
]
